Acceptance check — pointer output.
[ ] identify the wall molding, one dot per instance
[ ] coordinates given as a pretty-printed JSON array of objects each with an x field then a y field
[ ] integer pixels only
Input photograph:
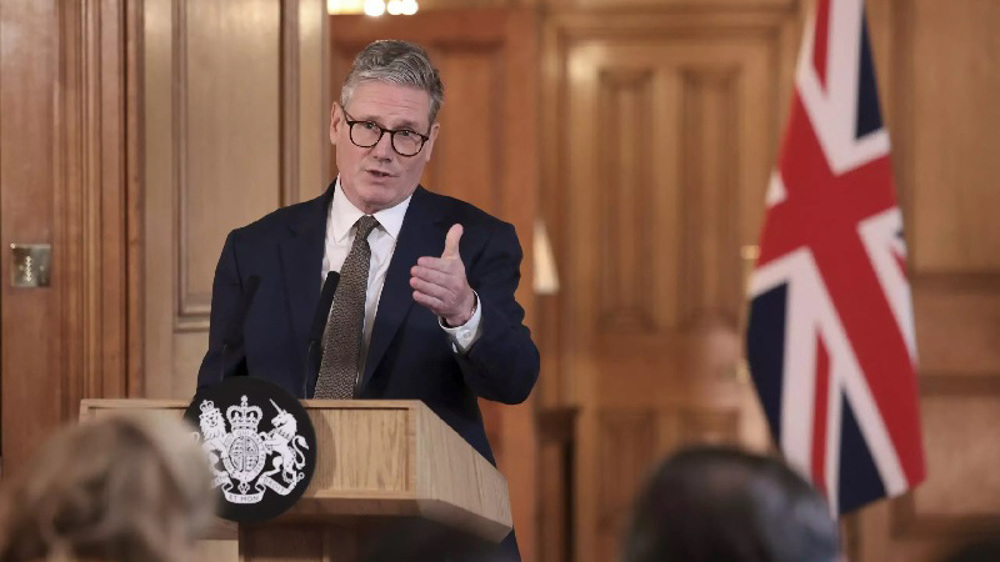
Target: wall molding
[
  {"x": 98, "y": 182},
  {"x": 909, "y": 523},
  {"x": 192, "y": 308},
  {"x": 625, "y": 99},
  {"x": 709, "y": 204},
  {"x": 288, "y": 69},
  {"x": 627, "y": 440}
]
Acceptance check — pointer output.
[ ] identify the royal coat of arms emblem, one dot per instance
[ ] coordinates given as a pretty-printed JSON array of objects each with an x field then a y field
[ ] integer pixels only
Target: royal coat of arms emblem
[{"x": 247, "y": 462}]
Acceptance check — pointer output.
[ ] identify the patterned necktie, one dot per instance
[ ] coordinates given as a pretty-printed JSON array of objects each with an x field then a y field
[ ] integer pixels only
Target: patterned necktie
[{"x": 338, "y": 370}]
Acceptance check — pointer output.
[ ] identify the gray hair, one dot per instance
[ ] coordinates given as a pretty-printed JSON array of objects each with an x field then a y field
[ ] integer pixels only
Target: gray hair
[{"x": 395, "y": 62}]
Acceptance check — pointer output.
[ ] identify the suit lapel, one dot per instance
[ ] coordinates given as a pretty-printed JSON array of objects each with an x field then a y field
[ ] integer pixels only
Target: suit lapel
[
  {"x": 418, "y": 237},
  {"x": 302, "y": 262}
]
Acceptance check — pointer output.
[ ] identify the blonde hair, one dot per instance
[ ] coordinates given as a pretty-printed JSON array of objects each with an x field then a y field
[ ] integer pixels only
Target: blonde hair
[{"x": 128, "y": 489}]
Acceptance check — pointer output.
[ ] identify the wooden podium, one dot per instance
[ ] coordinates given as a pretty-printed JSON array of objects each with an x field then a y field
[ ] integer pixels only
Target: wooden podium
[{"x": 377, "y": 460}]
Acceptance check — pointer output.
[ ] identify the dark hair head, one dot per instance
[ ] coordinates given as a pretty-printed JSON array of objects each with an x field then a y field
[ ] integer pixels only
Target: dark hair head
[
  {"x": 983, "y": 550},
  {"x": 713, "y": 504},
  {"x": 422, "y": 540}
]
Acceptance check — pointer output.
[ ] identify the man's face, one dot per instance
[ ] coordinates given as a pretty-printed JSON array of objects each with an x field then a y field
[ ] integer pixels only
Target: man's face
[{"x": 378, "y": 178}]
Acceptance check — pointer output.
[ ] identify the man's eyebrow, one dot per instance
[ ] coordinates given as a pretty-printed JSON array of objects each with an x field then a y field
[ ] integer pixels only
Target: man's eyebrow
[
  {"x": 407, "y": 124},
  {"x": 404, "y": 124}
]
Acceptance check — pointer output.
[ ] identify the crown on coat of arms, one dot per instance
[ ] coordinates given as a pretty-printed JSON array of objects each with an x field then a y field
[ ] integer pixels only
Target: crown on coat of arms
[{"x": 244, "y": 416}]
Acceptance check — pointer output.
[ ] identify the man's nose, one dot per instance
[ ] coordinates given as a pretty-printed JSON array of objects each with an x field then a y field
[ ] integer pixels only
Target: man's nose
[{"x": 383, "y": 148}]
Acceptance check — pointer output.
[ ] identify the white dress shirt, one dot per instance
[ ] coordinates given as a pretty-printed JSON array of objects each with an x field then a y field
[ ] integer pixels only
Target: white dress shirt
[{"x": 340, "y": 231}]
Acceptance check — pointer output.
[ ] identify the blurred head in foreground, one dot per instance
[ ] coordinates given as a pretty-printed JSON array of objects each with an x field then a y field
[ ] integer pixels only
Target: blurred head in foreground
[
  {"x": 421, "y": 540},
  {"x": 712, "y": 504},
  {"x": 982, "y": 550},
  {"x": 117, "y": 489}
]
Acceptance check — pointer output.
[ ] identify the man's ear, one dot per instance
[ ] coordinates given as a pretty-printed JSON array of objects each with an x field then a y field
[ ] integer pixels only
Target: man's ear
[
  {"x": 336, "y": 121},
  {"x": 429, "y": 145}
]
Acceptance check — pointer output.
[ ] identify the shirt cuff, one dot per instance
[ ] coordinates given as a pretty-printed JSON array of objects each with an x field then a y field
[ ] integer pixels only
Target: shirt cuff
[{"x": 463, "y": 337}]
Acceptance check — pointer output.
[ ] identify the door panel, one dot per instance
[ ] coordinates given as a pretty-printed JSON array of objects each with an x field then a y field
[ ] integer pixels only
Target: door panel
[{"x": 226, "y": 142}]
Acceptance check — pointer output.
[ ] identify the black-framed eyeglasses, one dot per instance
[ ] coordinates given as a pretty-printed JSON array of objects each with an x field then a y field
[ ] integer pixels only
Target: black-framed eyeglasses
[{"x": 366, "y": 134}]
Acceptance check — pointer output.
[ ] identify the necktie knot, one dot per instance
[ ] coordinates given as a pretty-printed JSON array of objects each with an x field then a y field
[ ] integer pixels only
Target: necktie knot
[{"x": 365, "y": 225}]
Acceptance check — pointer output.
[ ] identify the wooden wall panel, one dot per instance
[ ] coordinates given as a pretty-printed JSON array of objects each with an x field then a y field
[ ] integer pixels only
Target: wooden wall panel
[
  {"x": 94, "y": 185},
  {"x": 227, "y": 113},
  {"x": 624, "y": 100},
  {"x": 228, "y": 141},
  {"x": 958, "y": 502},
  {"x": 306, "y": 98},
  {"x": 958, "y": 323},
  {"x": 467, "y": 162},
  {"x": 708, "y": 273},
  {"x": 631, "y": 442},
  {"x": 954, "y": 134},
  {"x": 957, "y": 454},
  {"x": 716, "y": 427},
  {"x": 628, "y": 445},
  {"x": 938, "y": 72},
  {"x": 628, "y": 450}
]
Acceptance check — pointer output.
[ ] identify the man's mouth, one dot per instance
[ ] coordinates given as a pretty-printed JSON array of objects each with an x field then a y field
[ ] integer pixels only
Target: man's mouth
[{"x": 379, "y": 173}]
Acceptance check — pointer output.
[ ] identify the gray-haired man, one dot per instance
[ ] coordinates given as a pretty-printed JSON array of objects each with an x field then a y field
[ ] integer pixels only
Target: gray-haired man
[{"x": 425, "y": 307}]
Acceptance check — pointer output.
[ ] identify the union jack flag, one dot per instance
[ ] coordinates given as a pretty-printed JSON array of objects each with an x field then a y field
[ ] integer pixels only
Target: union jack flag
[{"x": 830, "y": 338}]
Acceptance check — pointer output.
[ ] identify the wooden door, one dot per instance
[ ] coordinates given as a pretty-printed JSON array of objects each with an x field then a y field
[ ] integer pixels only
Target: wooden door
[
  {"x": 486, "y": 155},
  {"x": 660, "y": 135},
  {"x": 66, "y": 176}
]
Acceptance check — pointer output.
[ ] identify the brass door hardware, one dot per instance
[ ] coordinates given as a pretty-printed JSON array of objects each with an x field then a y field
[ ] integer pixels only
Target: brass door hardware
[{"x": 30, "y": 265}]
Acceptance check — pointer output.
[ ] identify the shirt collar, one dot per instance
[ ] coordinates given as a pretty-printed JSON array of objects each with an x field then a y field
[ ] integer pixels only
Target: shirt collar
[{"x": 343, "y": 215}]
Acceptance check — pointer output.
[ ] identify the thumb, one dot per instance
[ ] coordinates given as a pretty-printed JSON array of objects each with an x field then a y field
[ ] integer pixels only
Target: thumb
[{"x": 451, "y": 242}]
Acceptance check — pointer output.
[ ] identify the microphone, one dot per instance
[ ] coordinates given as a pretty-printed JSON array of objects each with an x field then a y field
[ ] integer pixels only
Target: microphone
[
  {"x": 316, "y": 331},
  {"x": 234, "y": 334}
]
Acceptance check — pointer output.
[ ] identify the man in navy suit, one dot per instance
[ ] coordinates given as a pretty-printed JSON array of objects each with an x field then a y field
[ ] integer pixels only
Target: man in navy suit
[{"x": 440, "y": 322}]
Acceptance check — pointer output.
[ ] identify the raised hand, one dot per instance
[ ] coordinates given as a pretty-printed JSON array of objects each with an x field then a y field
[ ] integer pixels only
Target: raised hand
[{"x": 439, "y": 284}]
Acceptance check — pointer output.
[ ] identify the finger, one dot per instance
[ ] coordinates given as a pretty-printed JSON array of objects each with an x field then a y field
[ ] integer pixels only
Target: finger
[
  {"x": 429, "y": 302},
  {"x": 442, "y": 278},
  {"x": 431, "y": 289},
  {"x": 451, "y": 242},
  {"x": 443, "y": 265}
]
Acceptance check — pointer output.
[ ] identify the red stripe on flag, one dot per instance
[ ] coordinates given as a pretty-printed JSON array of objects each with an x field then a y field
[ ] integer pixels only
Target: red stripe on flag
[
  {"x": 820, "y": 416},
  {"x": 901, "y": 263},
  {"x": 879, "y": 346},
  {"x": 822, "y": 39}
]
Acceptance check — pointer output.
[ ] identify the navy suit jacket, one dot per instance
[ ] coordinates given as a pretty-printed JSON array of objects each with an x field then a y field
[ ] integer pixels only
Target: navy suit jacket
[{"x": 409, "y": 356}]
